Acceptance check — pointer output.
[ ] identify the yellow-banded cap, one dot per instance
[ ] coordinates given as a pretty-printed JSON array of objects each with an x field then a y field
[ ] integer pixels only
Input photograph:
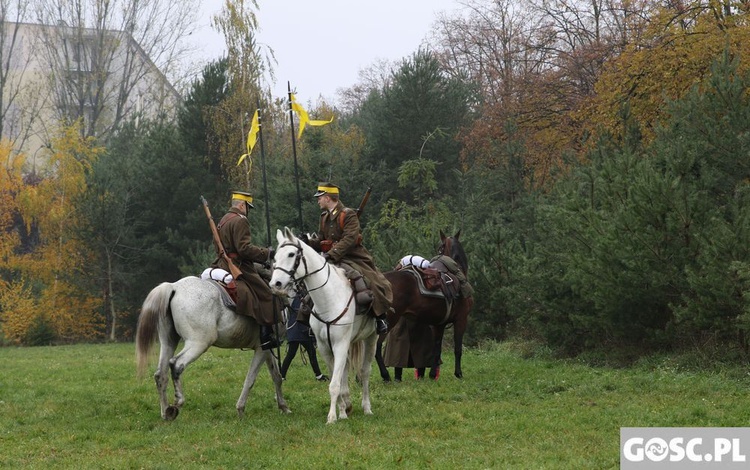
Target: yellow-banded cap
[
  {"x": 326, "y": 188},
  {"x": 243, "y": 196}
]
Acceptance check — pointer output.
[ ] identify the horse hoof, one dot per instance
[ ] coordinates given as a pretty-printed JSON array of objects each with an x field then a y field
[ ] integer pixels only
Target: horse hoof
[{"x": 171, "y": 413}]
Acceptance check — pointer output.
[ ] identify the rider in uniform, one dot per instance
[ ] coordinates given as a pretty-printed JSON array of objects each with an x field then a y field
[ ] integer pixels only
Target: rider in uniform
[
  {"x": 254, "y": 297},
  {"x": 340, "y": 240}
]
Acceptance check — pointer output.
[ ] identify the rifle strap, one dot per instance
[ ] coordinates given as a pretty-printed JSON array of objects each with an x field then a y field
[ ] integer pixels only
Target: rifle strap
[
  {"x": 227, "y": 218},
  {"x": 342, "y": 216}
]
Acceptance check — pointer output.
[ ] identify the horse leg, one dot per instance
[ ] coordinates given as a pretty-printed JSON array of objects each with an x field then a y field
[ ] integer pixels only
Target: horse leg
[
  {"x": 338, "y": 361},
  {"x": 379, "y": 360},
  {"x": 259, "y": 357},
  {"x": 329, "y": 359},
  {"x": 190, "y": 352},
  {"x": 273, "y": 368},
  {"x": 459, "y": 328},
  {"x": 161, "y": 378},
  {"x": 370, "y": 345},
  {"x": 437, "y": 347},
  {"x": 345, "y": 399}
]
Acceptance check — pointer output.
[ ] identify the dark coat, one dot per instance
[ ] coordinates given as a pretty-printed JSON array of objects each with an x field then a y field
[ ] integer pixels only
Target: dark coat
[
  {"x": 254, "y": 297},
  {"x": 296, "y": 332},
  {"x": 347, "y": 248},
  {"x": 409, "y": 344}
]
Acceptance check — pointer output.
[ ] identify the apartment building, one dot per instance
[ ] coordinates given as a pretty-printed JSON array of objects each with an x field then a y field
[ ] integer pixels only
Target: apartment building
[{"x": 52, "y": 75}]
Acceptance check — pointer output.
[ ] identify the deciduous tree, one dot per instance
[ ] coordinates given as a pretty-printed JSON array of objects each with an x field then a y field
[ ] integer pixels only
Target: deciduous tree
[{"x": 44, "y": 280}]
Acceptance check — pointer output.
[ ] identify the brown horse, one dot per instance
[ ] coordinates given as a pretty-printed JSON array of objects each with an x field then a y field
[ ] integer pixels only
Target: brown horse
[{"x": 408, "y": 301}]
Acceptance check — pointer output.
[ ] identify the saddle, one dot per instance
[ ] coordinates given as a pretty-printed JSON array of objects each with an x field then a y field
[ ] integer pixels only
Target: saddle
[
  {"x": 436, "y": 283},
  {"x": 362, "y": 294}
]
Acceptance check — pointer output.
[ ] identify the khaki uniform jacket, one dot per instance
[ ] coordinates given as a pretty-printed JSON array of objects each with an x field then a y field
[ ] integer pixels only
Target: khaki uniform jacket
[
  {"x": 254, "y": 297},
  {"x": 347, "y": 248}
]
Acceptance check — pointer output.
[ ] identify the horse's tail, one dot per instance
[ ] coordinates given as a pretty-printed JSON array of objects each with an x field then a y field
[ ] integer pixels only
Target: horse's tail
[
  {"x": 154, "y": 308},
  {"x": 356, "y": 356}
]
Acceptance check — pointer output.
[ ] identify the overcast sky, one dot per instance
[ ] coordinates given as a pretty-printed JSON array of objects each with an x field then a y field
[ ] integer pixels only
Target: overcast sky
[{"x": 321, "y": 45}]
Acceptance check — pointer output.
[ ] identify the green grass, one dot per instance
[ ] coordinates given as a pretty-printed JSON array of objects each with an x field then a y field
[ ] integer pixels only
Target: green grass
[{"x": 82, "y": 407}]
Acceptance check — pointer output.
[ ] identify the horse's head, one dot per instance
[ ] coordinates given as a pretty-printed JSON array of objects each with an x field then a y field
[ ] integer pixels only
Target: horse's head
[
  {"x": 287, "y": 261},
  {"x": 451, "y": 247}
]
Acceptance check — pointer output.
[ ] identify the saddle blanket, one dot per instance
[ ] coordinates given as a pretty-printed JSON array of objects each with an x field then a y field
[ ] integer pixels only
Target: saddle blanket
[{"x": 433, "y": 283}]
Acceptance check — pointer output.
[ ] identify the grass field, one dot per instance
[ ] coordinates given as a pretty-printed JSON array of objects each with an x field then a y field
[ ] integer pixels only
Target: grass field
[{"x": 82, "y": 407}]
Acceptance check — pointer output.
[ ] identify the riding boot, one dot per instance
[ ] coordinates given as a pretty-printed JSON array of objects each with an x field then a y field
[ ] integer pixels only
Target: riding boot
[{"x": 267, "y": 338}]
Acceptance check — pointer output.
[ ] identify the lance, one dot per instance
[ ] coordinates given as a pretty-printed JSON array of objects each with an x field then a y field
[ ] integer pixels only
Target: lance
[
  {"x": 265, "y": 179},
  {"x": 268, "y": 227},
  {"x": 294, "y": 153}
]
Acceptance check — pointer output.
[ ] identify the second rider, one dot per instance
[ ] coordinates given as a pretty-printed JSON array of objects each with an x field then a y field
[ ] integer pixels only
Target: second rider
[{"x": 340, "y": 240}]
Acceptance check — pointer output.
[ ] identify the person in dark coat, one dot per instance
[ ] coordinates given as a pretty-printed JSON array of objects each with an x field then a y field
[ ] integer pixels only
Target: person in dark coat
[
  {"x": 409, "y": 344},
  {"x": 299, "y": 334},
  {"x": 340, "y": 240},
  {"x": 254, "y": 297}
]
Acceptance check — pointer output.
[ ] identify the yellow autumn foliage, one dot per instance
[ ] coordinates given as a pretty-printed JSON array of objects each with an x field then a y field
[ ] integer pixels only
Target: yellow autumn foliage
[
  {"x": 18, "y": 310},
  {"x": 674, "y": 54},
  {"x": 39, "y": 277}
]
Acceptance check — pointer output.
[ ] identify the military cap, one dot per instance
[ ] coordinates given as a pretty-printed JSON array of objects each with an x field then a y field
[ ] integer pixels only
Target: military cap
[
  {"x": 327, "y": 188},
  {"x": 243, "y": 196}
]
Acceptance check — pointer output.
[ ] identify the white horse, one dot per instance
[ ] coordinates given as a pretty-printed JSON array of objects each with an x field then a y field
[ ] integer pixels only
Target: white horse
[
  {"x": 192, "y": 309},
  {"x": 341, "y": 334}
]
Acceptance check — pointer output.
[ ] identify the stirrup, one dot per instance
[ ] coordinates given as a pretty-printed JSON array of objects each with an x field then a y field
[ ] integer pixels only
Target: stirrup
[
  {"x": 267, "y": 339},
  {"x": 381, "y": 325},
  {"x": 269, "y": 343}
]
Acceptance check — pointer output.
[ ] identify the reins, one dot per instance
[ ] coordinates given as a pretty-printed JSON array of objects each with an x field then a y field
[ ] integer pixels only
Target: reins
[{"x": 333, "y": 322}]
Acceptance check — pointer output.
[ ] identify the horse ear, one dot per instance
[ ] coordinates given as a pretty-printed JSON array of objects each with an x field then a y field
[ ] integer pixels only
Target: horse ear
[
  {"x": 442, "y": 235},
  {"x": 288, "y": 233},
  {"x": 458, "y": 234},
  {"x": 279, "y": 236}
]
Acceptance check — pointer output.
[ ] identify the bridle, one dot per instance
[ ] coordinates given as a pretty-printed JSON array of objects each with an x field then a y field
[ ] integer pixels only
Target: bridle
[
  {"x": 446, "y": 248},
  {"x": 299, "y": 258}
]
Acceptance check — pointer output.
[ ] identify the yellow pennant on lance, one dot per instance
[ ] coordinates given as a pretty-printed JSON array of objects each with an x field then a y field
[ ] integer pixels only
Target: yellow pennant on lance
[
  {"x": 304, "y": 118},
  {"x": 252, "y": 138}
]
